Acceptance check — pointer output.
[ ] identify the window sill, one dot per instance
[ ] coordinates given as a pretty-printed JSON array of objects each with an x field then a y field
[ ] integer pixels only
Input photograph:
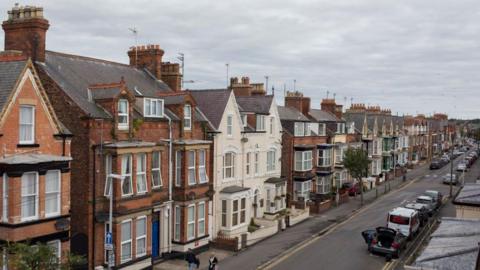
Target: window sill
[{"x": 27, "y": 145}]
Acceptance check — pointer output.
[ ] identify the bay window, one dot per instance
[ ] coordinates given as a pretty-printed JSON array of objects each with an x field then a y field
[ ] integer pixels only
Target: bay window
[
  {"x": 52, "y": 193},
  {"x": 141, "y": 236},
  {"x": 29, "y": 203},
  {"x": 202, "y": 170},
  {"x": 324, "y": 157},
  {"x": 156, "y": 169},
  {"x": 302, "y": 190},
  {"x": 127, "y": 175},
  {"x": 192, "y": 178},
  {"x": 224, "y": 213},
  {"x": 141, "y": 173},
  {"x": 243, "y": 210},
  {"x": 303, "y": 160},
  {"x": 234, "y": 212},
  {"x": 229, "y": 165},
  {"x": 191, "y": 222},
  {"x": 323, "y": 184},
  {"x": 122, "y": 114},
  {"x": 126, "y": 241},
  {"x": 27, "y": 124}
]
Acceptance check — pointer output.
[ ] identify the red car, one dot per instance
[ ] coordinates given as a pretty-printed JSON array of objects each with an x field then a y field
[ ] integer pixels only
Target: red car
[{"x": 351, "y": 188}]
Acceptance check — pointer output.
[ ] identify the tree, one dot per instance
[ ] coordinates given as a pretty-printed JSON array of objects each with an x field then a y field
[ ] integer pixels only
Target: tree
[
  {"x": 22, "y": 256},
  {"x": 356, "y": 162}
]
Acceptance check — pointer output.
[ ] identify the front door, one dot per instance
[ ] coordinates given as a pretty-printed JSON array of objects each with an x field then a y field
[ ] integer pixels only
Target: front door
[{"x": 155, "y": 235}]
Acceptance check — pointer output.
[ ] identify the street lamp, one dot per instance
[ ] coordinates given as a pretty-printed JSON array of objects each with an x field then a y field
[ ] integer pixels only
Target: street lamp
[{"x": 111, "y": 253}]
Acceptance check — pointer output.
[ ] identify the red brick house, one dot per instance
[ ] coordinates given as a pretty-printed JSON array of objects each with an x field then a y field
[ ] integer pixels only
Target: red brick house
[
  {"x": 134, "y": 130},
  {"x": 34, "y": 160}
]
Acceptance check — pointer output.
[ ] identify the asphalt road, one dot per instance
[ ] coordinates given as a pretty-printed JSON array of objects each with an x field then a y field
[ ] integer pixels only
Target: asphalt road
[{"x": 343, "y": 247}]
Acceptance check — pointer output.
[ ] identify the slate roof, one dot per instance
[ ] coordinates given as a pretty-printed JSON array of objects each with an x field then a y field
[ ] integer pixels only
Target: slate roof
[
  {"x": 469, "y": 195},
  {"x": 233, "y": 189},
  {"x": 255, "y": 104},
  {"x": 291, "y": 114},
  {"x": 32, "y": 159},
  {"x": 76, "y": 73},
  {"x": 212, "y": 103},
  {"x": 322, "y": 116},
  {"x": 9, "y": 74},
  {"x": 105, "y": 93},
  {"x": 453, "y": 246}
]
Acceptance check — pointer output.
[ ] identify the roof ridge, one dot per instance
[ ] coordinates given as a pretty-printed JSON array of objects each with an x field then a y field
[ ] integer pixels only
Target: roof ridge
[
  {"x": 90, "y": 58},
  {"x": 208, "y": 90}
]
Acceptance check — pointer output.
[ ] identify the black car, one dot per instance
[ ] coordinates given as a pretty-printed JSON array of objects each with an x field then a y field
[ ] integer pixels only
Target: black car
[
  {"x": 422, "y": 210},
  {"x": 436, "y": 164}
]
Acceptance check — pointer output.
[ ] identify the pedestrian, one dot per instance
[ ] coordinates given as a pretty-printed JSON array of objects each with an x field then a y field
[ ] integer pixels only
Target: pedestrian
[
  {"x": 212, "y": 262},
  {"x": 192, "y": 260}
]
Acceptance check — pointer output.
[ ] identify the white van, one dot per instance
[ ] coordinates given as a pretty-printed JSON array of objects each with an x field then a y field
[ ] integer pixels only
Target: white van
[{"x": 404, "y": 220}]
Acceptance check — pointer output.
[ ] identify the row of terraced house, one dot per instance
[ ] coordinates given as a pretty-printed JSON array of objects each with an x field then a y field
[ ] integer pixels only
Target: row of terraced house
[{"x": 92, "y": 148}]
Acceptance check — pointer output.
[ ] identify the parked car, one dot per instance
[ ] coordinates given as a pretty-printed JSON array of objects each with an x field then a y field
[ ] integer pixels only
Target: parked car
[
  {"x": 446, "y": 179},
  {"x": 437, "y": 196},
  {"x": 351, "y": 188},
  {"x": 404, "y": 220},
  {"x": 436, "y": 164},
  {"x": 385, "y": 241},
  {"x": 422, "y": 211},
  {"x": 427, "y": 200},
  {"x": 462, "y": 167}
]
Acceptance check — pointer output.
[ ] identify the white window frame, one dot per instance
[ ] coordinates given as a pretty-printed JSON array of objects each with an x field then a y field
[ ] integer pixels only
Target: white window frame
[
  {"x": 313, "y": 129},
  {"x": 299, "y": 129},
  {"x": 123, "y": 125},
  {"x": 26, "y": 125},
  {"x": 177, "y": 223},
  {"x": 231, "y": 166},
  {"x": 58, "y": 247},
  {"x": 201, "y": 219},
  {"x": 141, "y": 173},
  {"x": 107, "y": 191},
  {"x": 322, "y": 129},
  {"x": 5, "y": 197},
  {"x": 271, "y": 160},
  {"x": 191, "y": 155},
  {"x": 305, "y": 159},
  {"x": 339, "y": 155},
  {"x": 128, "y": 241},
  {"x": 326, "y": 187},
  {"x": 127, "y": 176},
  {"x": 308, "y": 129},
  {"x": 191, "y": 222},
  {"x": 149, "y": 104},
  {"x": 58, "y": 193},
  {"x": 202, "y": 166},
  {"x": 141, "y": 237},
  {"x": 340, "y": 128},
  {"x": 224, "y": 217},
  {"x": 236, "y": 213},
  {"x": 187, "y": 117},
  {"x": 260, "y": 125},
  {"x": 178, "y": 168},
  {"x": 325, "y": 159},
  {"x": 242, "y": 211},
  {"x": 244, "y": 120},
  {"x": 156, "y": 169},
  {"x": 303, "y": 189},
  {"x": 34, "y": 217},
  {"x": 230, "y": 125}
]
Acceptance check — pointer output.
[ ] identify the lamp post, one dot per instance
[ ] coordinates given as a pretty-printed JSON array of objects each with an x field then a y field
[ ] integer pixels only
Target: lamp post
[
  {"x": 111, "y": 253},
  {"x": 451, "y": 171}
]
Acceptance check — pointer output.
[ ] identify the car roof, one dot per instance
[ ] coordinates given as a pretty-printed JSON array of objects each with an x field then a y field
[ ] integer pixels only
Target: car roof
[
  {"x": 432, "y": 191},
  {"x": 416, "y": 206},
  {"x": 424, "y": 197},
  {"x": 402, "y": 211}
]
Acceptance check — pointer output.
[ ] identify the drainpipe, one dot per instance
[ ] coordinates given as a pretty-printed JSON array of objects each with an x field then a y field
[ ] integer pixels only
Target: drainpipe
[{"x": 170, "y": 177}]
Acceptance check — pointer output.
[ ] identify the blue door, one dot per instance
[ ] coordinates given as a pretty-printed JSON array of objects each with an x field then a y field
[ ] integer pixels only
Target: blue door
[{"x": 155, "y": 236}]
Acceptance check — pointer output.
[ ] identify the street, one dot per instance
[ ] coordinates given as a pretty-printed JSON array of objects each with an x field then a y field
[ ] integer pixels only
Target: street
[{"x": 343, "y": 246}]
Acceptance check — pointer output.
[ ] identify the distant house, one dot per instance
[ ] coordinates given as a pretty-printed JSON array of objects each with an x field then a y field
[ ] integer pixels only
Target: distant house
[
  {"x": 467, "y": 202},
  {"x": 454, "y": 245}
]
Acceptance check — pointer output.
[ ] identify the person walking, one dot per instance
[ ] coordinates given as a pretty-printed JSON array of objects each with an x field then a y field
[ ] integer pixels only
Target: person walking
[
  {"x": 192, "y": 260},
  {"x": 212, "y": 262}
]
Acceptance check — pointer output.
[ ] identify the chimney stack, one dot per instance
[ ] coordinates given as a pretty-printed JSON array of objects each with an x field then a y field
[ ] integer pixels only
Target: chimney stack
[
  {"x": 298, "y": 101},
  {"x": 243, "y": 88},
  {"x": 25, "y": 30},
  {"x": 149, "y": 57},
  {"x": 171, "y": 76}
]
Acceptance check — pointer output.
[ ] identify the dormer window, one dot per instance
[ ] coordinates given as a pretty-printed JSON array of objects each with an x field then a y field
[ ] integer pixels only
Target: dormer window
[
  {"x": 340, "y": 128},
  {"x": 187, "y": 117},
  {"x": 153, "y": 107},
  {"x": 123, "y": 114},
  {"x": 27, "y": 125}
]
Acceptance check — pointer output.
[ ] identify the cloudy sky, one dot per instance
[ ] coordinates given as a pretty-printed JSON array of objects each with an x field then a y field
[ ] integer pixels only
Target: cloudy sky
[{"x": 408, "y": 55}]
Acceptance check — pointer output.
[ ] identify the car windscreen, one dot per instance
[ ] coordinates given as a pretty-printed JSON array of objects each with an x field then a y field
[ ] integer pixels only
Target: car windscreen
[
  {"x": 399, "y": 220},
  {"x": 424, "y": 201}
]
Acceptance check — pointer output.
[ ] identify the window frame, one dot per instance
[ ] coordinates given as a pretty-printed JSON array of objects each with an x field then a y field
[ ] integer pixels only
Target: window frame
[
  {"x": 304, "y": 161},
  {"x": 231, "y": 166},
  {"x": 177, "y": 229},
  {"x": 323, "y": 183},
  {"x": 156, "y": 170},
  {"x": 191, "y": 222},
  {"x": 142, "y": 158},
  {"x": 271, "y": 160},
  {"x": 187, "y": 117},
  {"x": 299, "y": 129},
  {"x": 322, "y": 158},
  {"x": 272, "y": 124},
  {"x": 260, "y": 122},
  {"x": 58, "y": 247},
  {"x": 202, "y": 166},
  {"x": 58, "y": 194},
  {"x": 32, "y": 124},
  {"x": 129, "y": 241},
  {"x": 126, "y": 176},
  {"x": 224, "y": 206},
  {"x": 305, "y": 189},
  {"x": 248, "y": 165},
  {"x": 243, "y": 211},
  {"x": 192, "y": 157},
  {"x": 235, "y": 213},
  {"x": 201, "y": 205},
  {"x": 256, "y": 164},
  {"x": 322, "y": 127},
  {"x": 159, "y": 104},
  {"x": 107, "y": 191},
  {"x": 230, "y": 125},
  {"x": 36, "y": 194},
  {"x": 144, "y": 236},
  {"x": 178, "y": 168},
  {"x": 5, "y": 196},
  {"x": 122, "y": 125}
]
